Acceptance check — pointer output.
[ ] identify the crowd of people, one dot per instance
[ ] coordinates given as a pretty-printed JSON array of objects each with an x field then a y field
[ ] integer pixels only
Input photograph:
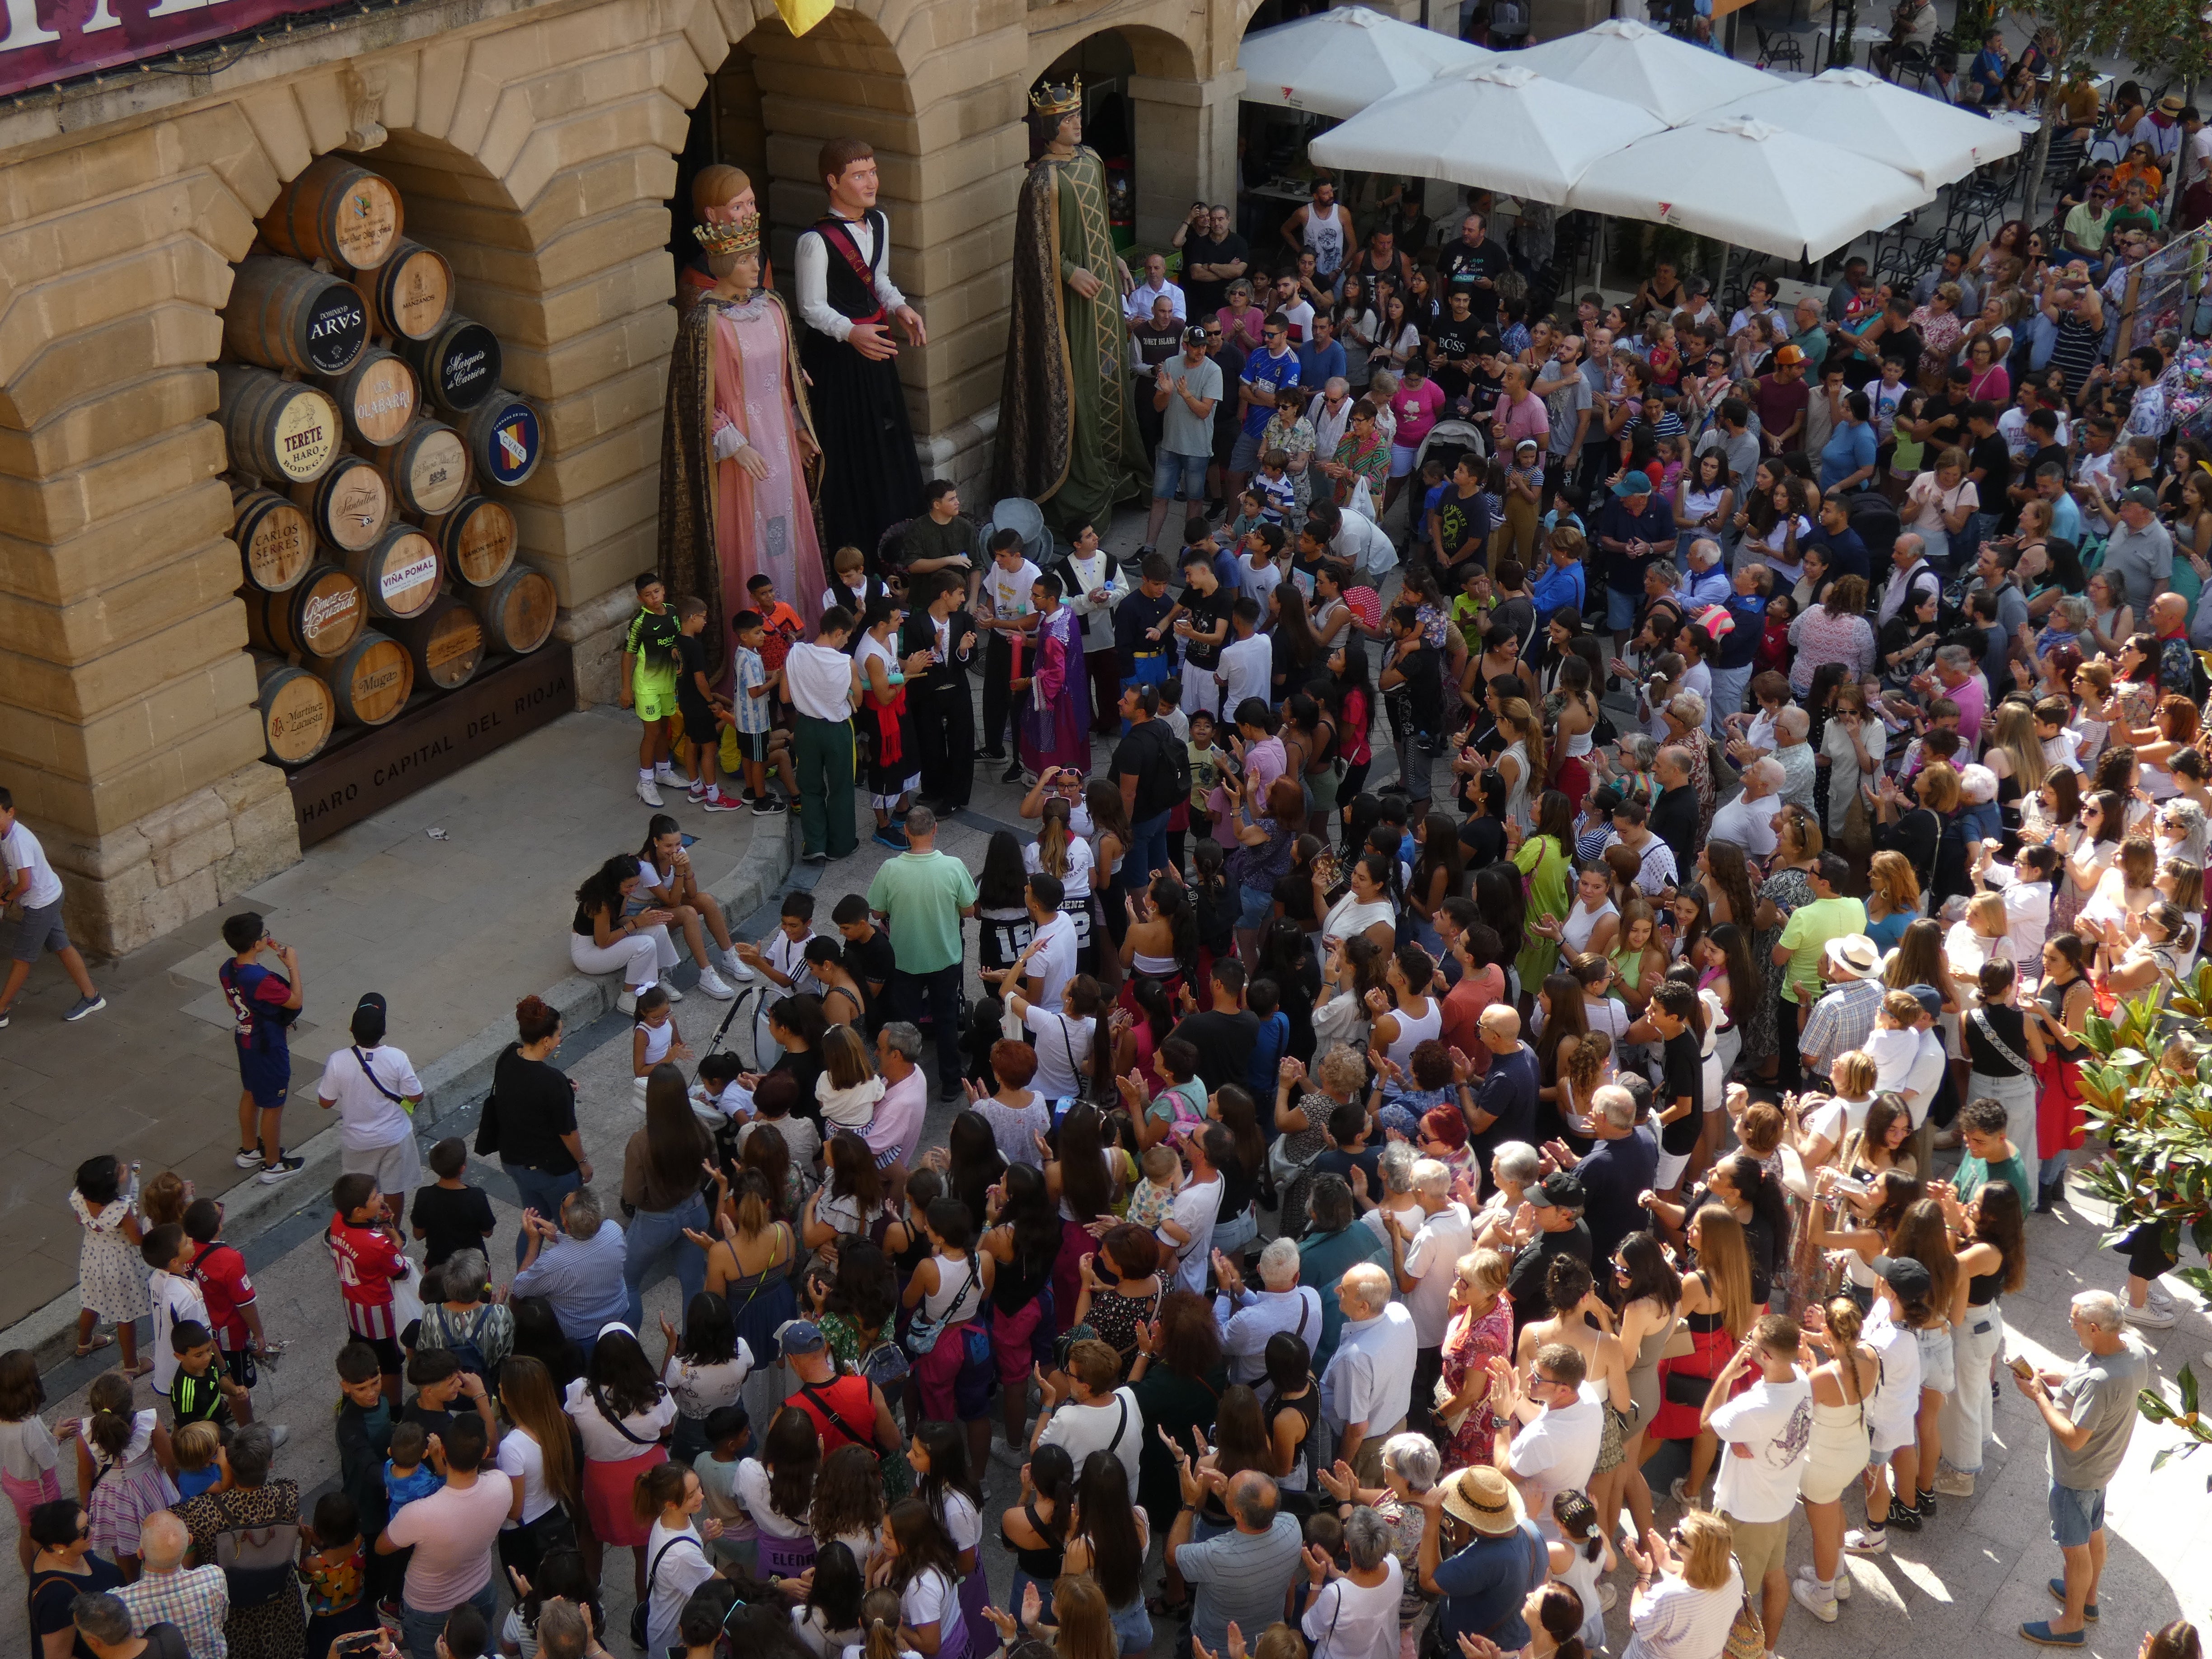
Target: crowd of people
[{"x": 1374, "y": 1195}]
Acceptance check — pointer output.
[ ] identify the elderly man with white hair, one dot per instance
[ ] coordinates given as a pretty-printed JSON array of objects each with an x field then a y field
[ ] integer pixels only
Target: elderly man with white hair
[
  {"x": 2089, "y": 1412},
  {"x": 1368, "y": 1387},
  {"x": 1704, "y": 580},
  {"x": 1427, "y": 1263},
  {"x": 1247, "y": 1318},
  {"x": 195, "y": 1599},
  {"x": 1394, "y": 1163},
  {"x": 1748, "y": 820},
  {"x": 1799, "y": 763}
]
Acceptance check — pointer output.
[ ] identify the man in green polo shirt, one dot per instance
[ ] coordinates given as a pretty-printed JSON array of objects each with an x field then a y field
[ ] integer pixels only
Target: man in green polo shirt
[
  {"x": 921, "y": 895},
  {"x": 1832, "y": 914}
]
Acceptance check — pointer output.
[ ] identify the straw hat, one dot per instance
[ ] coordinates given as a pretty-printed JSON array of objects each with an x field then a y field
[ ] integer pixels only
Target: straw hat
[{"x": 1485, "y": 1499}]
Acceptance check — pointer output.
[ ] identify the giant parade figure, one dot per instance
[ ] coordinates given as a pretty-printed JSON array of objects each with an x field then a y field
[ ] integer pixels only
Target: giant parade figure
[
  {"x": 1067, "y": 430},
  {"x": 847, "y": 300},
  {"x": 737, "y": 446}
]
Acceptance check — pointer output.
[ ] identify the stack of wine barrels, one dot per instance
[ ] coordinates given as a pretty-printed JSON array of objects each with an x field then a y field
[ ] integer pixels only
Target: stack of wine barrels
[{"x": 370, "y": 443}]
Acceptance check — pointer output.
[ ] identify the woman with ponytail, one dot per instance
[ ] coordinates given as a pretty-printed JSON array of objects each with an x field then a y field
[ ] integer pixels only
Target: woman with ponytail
[
  {"x": 750, "y": 1267},
  {"x": 669, "y": 1496},
  {"x": 1581, "y": 1560},
  {"x": 1161, "y": 940},
  {"x": 1839, "y": 1443}
]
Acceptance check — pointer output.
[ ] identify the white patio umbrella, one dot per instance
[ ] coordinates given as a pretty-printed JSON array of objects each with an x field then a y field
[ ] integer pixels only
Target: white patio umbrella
[
  {"x": 1673, "y": 80},
  {"x": 1868, "y": 116},
  {"x": 1498, "y": 126},
  {"x": 1751, "y": 184},
  {"x": 1337, "y": 62}
]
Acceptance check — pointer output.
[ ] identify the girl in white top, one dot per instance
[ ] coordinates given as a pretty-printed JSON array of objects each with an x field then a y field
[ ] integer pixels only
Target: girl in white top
[
  {"x": 1938, "y": 504},
  {"x": 1414, "y": 1016},
  {"x": 655, "y": 1038},
  {"x": 939, "y": 1454},
  {"x": 676, "y": 1556},
  {"x": 28, "y": 1452},
  {"x": 877, "y": 660},
  {"x": 923, "y": 1568},
  {"x": 1592, "y": 920},
  {"x": 1354, "y": 1615},
  {"x": 1067, "y": 1038},
  {"x": 1365, "y": 907},
  {"x": 777, "y": 1487}
]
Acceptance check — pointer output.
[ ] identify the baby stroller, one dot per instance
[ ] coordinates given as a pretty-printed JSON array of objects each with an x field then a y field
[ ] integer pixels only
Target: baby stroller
[{"x": 1447, "y": 440}]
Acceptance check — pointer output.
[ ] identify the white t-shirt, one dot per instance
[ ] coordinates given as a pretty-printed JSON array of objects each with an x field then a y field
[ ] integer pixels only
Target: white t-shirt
[
  {"x": 1008, "y": 591},
  {"x": 1246, "y": 665},
  {"x": 367, "y": 1117},
  {"x": 175, "y": 1300},
  {"x": 1059, "y": 1040},
  {"x": 1082, "y": 1429},
  {"x": 1053, "y": 962},
  {"x": 931, "y": 1598},
  {"x": 603, "y": 1442},
  {"x": 1194, "y": 1210},
  {"x": 677, "y": 1564},
  {"x": 1838, "y": 1118},
  {"x": 699, "y": 1390},
  {"x": 1896, "y": 1399},
  {"x": 1433, "y": 1253},
  {"x": 962, "y": 1521},
  {"x": 21, "y": 851},
  {"x": 1910, "y": 1064},
  {"x": 1775, "y": 1420},
  {"x": 1076, "y": 882},
  {"x": 1556, "y": 1453},
  {"x": 521, "y": 1458},
  {"x": 1351, "y": 1621},
  {"x": 752, "y": 1489}
]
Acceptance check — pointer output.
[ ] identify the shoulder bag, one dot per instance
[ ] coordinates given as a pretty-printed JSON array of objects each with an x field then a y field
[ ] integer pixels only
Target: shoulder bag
[{"x": 922, "y": 1332}]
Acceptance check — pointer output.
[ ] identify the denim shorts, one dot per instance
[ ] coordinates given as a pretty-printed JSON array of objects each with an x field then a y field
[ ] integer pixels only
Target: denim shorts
[
  {"x": 1257, "y": 902},
  {"x": 1620, "y": 611},
  {"x": 1170, "y": 470},
  {"x": 2077, "y": 1514}
]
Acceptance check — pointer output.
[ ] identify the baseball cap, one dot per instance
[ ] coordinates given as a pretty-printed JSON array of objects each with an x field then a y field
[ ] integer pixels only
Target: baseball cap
[
  {"x": 1634, "y": 482},
  {"x": 368, "y": 1019},
  {"x": 1903, "y": 1274},
  {"x": 2142, "y": 495},
  {"x": 1929, "y": 998},
  {"x": 1194, "y": 336},
  {"x": 799, "y": 1336},
  {"x": 1557, "y": 1190},
  {"x": 1789, "y": 354}
]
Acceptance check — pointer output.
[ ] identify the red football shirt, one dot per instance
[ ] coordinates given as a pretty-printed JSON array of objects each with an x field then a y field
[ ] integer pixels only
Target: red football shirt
[
  {"x": 368, "y": 1261},
  {"x": 220, "y": 1272}
]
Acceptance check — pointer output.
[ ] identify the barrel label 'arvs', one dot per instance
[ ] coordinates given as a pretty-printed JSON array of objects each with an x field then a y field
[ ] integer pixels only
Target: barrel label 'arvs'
[{"x": 336, "y": 327}]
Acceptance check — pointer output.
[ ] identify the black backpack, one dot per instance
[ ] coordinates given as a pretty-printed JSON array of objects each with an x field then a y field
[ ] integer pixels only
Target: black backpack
[{"x": 1173, "y": 763}]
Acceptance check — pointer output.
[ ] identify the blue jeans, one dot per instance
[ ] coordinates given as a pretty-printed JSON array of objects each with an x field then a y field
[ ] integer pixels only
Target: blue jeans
[
  {"x": 1148, "y": 846},
  {"x": 652, "y": 1235},
  {"x": 1169, "y": 470},
  {"x": 419, "y": 1631},
  {"x": 534, "y": 1189}
]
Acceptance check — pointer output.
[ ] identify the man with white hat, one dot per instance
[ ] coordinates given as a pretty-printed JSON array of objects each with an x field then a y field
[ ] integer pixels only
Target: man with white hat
[
  {"x": 1850, "y": 970},
  {"x": 373, "y": 1084}
]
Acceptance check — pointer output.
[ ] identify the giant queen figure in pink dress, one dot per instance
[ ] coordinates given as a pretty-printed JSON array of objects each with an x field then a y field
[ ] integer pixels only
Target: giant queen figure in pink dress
[{"x": 737, "y": 452}]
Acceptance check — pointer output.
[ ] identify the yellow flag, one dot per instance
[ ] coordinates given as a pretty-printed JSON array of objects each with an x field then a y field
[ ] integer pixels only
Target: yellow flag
[{"x": 801, "y": 15}]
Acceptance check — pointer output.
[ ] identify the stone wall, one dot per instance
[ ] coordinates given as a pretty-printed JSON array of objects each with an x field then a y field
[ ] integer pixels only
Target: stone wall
[{"x": 534, "y": 145}]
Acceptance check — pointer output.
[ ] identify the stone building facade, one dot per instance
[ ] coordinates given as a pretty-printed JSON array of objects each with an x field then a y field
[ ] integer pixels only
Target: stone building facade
[{"x": 536, "y": 146}]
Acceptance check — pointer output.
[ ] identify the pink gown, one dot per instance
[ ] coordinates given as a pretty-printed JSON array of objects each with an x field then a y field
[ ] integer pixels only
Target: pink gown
[
  {"x": 1054, "y": 726},
  {"x": 767, "y": 526}
]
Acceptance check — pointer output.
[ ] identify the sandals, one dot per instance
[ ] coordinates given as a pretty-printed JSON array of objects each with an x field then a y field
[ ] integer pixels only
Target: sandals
[
  {"x": 85, "y": 1350},
  {"x": 1160, "y": 1607}
]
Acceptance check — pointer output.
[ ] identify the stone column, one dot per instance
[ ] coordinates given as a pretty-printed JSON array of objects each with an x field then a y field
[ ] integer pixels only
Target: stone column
[{"x": 1186, "y": 148}]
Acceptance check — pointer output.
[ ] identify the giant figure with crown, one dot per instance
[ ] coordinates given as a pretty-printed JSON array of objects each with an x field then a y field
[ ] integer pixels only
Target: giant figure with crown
[
  {"x": 1067, "y": 431},
  {"x": 738, "y": 455}
]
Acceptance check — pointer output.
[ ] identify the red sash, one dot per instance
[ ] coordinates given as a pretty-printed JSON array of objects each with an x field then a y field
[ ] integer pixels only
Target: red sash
[
  {"x": 888, "y": 746},
  {"x": 841, "y": 243}
]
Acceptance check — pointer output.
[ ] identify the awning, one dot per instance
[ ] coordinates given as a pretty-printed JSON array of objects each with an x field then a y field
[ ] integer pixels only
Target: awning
[
  {"x": 1675, "y": 80},
  {"x": 1870, "y": 117},
  {"x": 1339, "y": 62}
]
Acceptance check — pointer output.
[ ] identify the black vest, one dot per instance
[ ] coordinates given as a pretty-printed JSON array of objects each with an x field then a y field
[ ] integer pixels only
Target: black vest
[{"x": 847, "y": 294}]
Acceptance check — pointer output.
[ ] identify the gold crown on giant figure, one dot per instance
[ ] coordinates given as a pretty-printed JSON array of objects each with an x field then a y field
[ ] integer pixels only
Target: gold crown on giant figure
[
  {"x": 740, "y": 236},
  {"x": 1050, "y": 99}
]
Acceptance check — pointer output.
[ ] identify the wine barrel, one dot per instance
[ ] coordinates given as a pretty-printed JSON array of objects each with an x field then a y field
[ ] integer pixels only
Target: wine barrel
[
  {"x": 277, "y": 429},
  {"x": 503, "y": 438},
  {"x": 409, "y": 294},
  {"x": 273, "y": 538},
  {"x": 283, "y": 314},
  {"x": 517, "y": 609},
  {"x": 446, "y": 643},
  {"x": 349, "y": 506},
  {"x": 427, "y": 469},
  {"x": 370, "y": 680},
  {"x": 317, "y": 616},
  {"x": 476, "y": 538},
  {"x": 336, "y": 209},
  {"x": 398, "y": 573},
  {"x": 458, "y": 363},
  {"x": 376, "y": 398},
  {"x": 297, "y": 710}
]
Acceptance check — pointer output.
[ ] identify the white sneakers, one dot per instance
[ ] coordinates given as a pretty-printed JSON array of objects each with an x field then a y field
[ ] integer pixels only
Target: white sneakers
[
  {"x": 2153, "y": 1316},
  {"x": 733, "y": 968},
  {"x": 1820, "y": 1600},
  {"x": 1954, "y": 1483},
  {"x": 649, "y": 791},
  {"x": 669, "y": 986},
  {"x": 626, "y": 1002},
  {"x": 712, "y": 984}
]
